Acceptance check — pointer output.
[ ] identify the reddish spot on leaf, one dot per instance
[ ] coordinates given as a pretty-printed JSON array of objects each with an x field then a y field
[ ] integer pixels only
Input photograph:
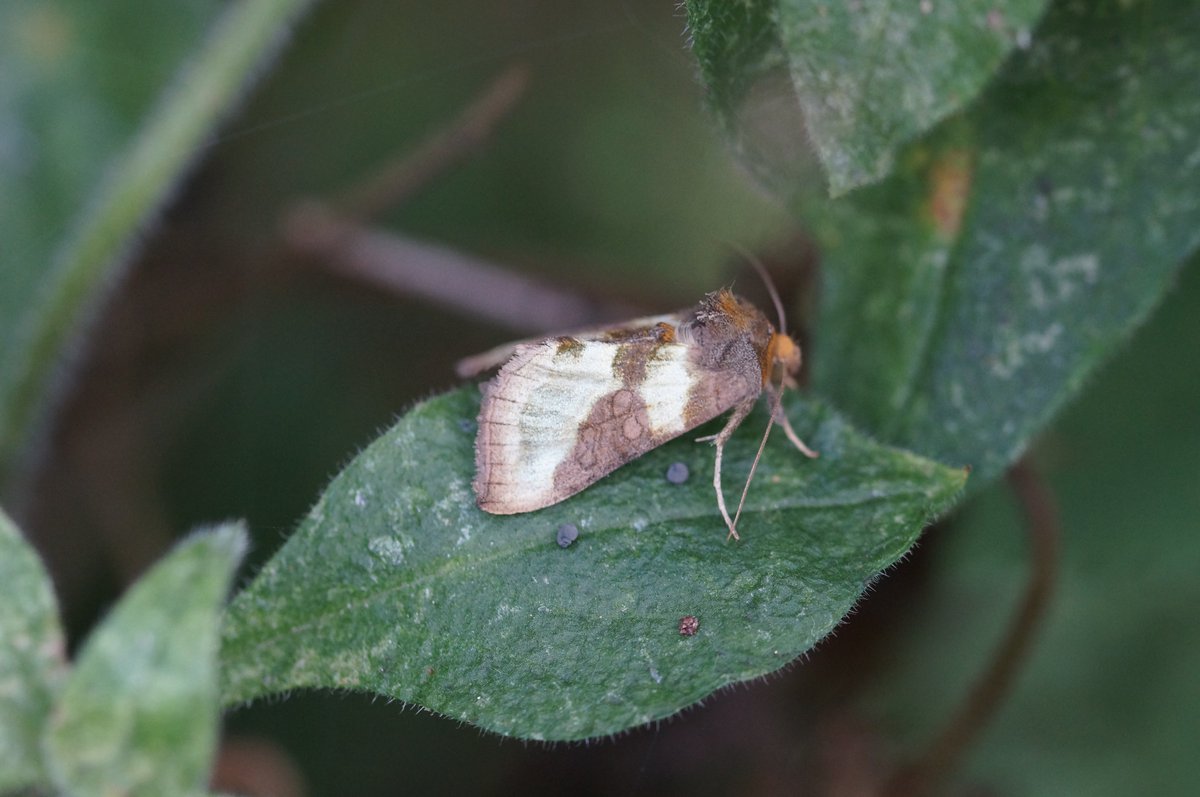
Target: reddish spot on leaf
[{"x": 949, "y": 187}]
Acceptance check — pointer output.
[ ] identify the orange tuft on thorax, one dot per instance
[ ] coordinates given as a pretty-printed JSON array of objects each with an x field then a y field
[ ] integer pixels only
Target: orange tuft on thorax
[{"x": 734, "y": 309}]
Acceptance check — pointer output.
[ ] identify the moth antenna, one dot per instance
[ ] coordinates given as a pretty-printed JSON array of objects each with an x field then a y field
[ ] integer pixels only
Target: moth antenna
[
  {"x": 777, "y": 411},
  {"x": 765, "y": 275}
]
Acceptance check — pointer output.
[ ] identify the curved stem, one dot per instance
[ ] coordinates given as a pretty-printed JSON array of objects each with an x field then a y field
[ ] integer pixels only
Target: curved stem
[
  {"x": 951, "y": 746},
  {"x": 405, "y": 175},
  {"x": 141, "y": 181}
]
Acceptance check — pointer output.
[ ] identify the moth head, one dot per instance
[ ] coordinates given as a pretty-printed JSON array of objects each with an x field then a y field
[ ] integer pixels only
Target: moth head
[
  {"x": 784, "y": 351},
  {"x": 781, "y": 349}
]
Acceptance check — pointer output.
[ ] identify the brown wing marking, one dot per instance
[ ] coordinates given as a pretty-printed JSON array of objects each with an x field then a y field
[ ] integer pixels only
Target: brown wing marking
[
  {"x": 618, "y": 429},
  {"x": 478, "y": 363}
]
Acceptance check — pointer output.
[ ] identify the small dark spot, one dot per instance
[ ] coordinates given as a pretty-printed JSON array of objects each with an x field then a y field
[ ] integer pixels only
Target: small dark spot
[
  {"x": 678, "y": 473},
  {"x": 567, "y": 534},
  {"x": 688, "y": 625},
  {"x": 467, "y": 425}
]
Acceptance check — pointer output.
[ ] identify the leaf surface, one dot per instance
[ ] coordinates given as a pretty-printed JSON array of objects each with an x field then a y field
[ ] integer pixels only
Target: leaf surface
[
  {"x": 869, "y": 76},
  {"x": 397, "y": 584},
  {"x": 138, "y": 714},
  {"x": 32, "y": 658},
  {"x": 970, "y": 295}
]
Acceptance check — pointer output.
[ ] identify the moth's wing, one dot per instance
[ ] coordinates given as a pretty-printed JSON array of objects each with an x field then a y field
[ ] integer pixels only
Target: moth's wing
[
  {"x": 563, "y": 413},
  {"x": 485, "y": 361},
  {"x": 476, "y": 364}
]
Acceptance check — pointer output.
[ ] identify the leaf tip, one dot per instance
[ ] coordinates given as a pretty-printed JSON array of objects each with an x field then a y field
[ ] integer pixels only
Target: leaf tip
[{"x": 230, "y": 539}]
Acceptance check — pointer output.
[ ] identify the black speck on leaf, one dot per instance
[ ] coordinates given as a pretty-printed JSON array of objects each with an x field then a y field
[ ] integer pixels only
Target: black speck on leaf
[{"x": 567, "y": 534}]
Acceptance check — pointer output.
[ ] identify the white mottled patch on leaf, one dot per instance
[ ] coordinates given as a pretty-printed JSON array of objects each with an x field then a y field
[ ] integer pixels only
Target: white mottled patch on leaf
[{"x": 1015, "y": 352}]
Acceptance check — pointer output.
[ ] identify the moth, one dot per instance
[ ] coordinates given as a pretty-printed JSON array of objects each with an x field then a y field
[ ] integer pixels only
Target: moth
[{"x": 567, "y": 410}]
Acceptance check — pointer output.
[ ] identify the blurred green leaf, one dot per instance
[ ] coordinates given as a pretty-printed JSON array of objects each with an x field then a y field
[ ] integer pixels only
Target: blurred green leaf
[
  {"x": 735, "y": 45},
  {"x": 71, "y": 97},
  {"x": 869, "y": 76},
  {"x": 969, "y": 296},
  {"x": 397, "y": 583},
  {"x": 872, "y": 76},
  {"x": 138, "y": 714},
  {"x": 1108, "y": 705},
  {"x": 32, "y": 661}
]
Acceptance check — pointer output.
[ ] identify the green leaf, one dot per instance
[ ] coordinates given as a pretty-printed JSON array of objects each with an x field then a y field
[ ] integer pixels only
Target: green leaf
[
  {"x": 970, "y": 295},
  {"x": 735, "y": 45},
  {"x": 397, "y": 584},
  {"x": 872, "y": 76},
  {"x": 744, "y": 71},
  {"x": 62, "y": 124},
  {"x": 869, "y": 76},
  {"x": 70, "y": 99},
  {"x": 138, "y": 714},
  {"x": 1108, "y": 702},
  {"x": 32, "y": 661}
]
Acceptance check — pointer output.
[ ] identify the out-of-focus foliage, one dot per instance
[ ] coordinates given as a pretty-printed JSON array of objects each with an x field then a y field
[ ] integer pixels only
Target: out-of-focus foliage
[
  {"x": 1110, "y": 700},
  {"x": 94, "y": 164}
]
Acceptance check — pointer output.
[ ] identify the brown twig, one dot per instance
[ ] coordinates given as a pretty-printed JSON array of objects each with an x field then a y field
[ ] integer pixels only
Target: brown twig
[
  {"x": 410, "y": 171},
  {"x": 949, "y": 748},
  {"x": 256, "y": 767},
  {"x": 335, "y": 233},
  {"x": 463, "y": 283}
]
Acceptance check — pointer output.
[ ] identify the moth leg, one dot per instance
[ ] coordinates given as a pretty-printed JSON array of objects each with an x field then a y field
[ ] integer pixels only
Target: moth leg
[
  {"x": 782, "y": 419},
  {"x": 719, "y": 440}
]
